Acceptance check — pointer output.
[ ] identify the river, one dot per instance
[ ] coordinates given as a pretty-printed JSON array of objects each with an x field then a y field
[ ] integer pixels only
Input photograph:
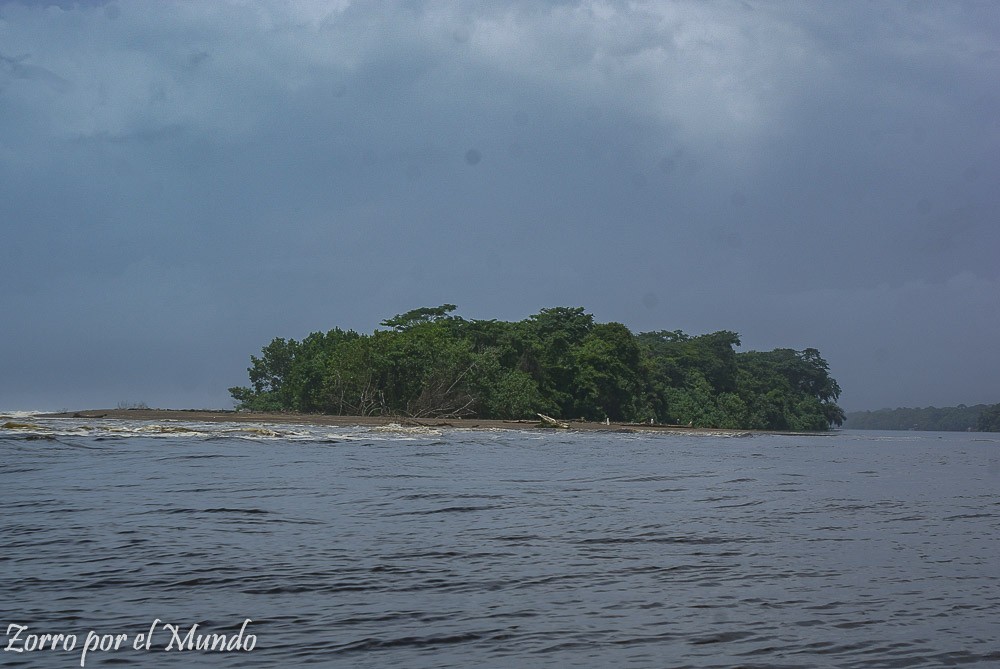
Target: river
[{"x": 418, "y": 547}]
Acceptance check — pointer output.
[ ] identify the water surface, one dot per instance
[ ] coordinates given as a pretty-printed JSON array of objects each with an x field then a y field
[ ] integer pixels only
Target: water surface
[{"x": 375, "y": 547}]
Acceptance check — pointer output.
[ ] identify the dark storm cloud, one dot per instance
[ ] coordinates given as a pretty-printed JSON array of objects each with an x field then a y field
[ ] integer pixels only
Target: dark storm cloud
[
  {"x": 17, "y": 68},
  {"x": 181, "y": 183}
]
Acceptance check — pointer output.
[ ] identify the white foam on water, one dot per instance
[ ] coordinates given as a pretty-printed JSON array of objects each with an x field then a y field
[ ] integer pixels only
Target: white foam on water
[
  {"x": 29, "y": 423},
  {"x": 16, "y": 415}
]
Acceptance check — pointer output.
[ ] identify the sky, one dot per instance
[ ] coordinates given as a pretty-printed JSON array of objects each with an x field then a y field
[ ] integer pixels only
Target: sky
[{"x": 181, "y": 182}]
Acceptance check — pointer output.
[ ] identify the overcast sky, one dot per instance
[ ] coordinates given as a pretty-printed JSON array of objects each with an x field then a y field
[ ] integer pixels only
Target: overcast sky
[{"x": 180, "y": 182}]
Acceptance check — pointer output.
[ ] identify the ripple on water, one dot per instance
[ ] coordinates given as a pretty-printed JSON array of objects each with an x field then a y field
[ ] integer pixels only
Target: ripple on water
[{"x": 449, "y": 548}]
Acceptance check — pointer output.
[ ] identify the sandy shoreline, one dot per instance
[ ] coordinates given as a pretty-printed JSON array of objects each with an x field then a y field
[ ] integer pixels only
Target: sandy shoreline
[{"x": 206, "y": 416}]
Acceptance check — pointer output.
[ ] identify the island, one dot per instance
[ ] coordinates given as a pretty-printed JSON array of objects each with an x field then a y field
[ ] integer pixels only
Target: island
[
  {"x": 431, "y": 364},
  {"x": 961, "y": 418}
]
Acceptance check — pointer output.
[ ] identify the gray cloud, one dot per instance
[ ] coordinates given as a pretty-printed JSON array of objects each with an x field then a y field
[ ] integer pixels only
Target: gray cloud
[
  {"x": 192, "y": 180},
  {"x": 18, "y": 68}
]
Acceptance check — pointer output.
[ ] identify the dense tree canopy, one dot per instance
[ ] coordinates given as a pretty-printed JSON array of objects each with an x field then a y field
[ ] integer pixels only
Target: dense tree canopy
[
  {"x": 558, "y": 362},
  {"x": 981, "y": 417},
  {"x": 989, "y": 419}
]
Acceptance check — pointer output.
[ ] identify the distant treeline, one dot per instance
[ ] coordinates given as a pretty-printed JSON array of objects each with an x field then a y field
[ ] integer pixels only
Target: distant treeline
[
  {"x": 981, "y": 418},
  {"x": 559, "y": 362}
]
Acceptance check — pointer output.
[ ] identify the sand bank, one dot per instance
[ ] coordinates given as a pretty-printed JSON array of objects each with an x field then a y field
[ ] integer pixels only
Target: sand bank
[{"x": 208, "y": 416}]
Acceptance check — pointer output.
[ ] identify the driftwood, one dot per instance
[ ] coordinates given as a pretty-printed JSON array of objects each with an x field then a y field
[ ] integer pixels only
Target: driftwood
[{"x": 552, "y": 422}]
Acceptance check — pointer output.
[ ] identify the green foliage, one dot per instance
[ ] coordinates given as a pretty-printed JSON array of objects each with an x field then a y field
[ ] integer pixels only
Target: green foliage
[
  {"x": 694, "y": 403},
  {"x": 945, "y": 419},
  {"x": 413, "y": 317},
  {"x": 712, "y": 355},
  {"x": 788, "y": 390},
  {"x": 608, "y": 376},
  {"x": 989, "y": 419},
  {"x": 559, "y": 362}
]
